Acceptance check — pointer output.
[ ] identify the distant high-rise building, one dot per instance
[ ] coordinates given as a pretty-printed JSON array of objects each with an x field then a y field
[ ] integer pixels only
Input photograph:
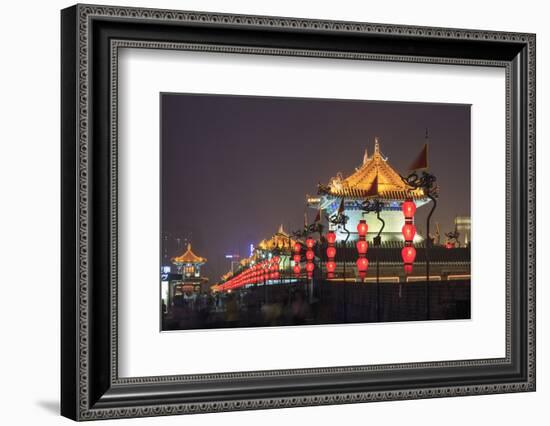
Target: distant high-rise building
[{"x": 463, "y": 226}]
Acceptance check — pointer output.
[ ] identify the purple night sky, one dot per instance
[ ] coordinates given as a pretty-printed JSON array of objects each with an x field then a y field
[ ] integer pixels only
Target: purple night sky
[{"x": 236, "y": 167}]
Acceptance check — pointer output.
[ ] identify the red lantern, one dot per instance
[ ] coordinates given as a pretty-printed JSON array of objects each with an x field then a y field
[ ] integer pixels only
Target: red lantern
[
  {"x": 408, "y": 253},
  {"x": 331, "y": 254},
  {"x": 310, "y": 255},
  {"x": 275, "y": 259},
  {"x": 276, "y": 275},
  {"x": 362, "y": 246},
  {"x": 409, "y": 208},
  {"x": 297, "y": 269},
  {"x": 409, "y": 231},
  {"x": 297, "y": 247},
  {"x": 297, "y": 258},
  {"x": 310, "y": 267},
  {"x": 362, "y": 264},
  {"x": 449, "y": 245},
  {"x": 331, "y": 237},
  {"x": 362, "y": 228},
  {"x": 310, "y": 242}
]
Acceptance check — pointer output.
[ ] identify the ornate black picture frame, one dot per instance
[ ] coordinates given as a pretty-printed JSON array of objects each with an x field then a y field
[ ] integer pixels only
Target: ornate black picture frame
[{"x": 91, "y": 387}]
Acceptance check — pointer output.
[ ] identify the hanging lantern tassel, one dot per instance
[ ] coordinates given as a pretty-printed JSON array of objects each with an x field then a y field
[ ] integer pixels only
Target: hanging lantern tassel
[
  {"x": 331, "y": 254},
  {"x": 362, "y": 247},
  {"x": 408, "y": 253}
]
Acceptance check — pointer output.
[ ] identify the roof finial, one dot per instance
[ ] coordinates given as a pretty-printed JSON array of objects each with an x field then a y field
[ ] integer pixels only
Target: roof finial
[
  {"x": 281, "y": 230},
  {"x": 188, "y": 246},
  {"x": 366, "y": 157},
  {"x": 376, "y": 146}
]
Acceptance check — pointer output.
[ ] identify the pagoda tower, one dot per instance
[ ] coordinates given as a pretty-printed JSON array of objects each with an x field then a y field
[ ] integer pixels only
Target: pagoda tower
[
  {"x": 280, "y": 241},
  {"x": 188, "y": 264},
  {"x": 189, "y": 269},
  {"x": 374, "y": 179}
]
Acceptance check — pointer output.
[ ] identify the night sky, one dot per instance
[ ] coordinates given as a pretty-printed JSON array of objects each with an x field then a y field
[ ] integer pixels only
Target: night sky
[{"x": 236, "y": 167}]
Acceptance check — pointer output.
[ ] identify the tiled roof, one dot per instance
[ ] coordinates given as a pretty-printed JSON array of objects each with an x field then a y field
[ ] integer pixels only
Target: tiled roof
[
  {"x": 374, "y": 178},
  {"x": 384, "y": 195},
  {"x": 280, "y": 240},
  {"x": 188, "y": 257}
]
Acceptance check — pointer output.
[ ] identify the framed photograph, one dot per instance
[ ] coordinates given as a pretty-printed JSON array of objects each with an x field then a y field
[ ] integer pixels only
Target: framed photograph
[
  {"x": 263, "y": 212},
  {"x": 338, "y": 255}
]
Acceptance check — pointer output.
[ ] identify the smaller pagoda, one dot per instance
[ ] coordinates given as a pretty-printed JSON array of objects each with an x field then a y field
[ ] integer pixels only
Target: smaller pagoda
[
  {"x": 280, "y": 241},
  {"x": 189, "y": 266}
]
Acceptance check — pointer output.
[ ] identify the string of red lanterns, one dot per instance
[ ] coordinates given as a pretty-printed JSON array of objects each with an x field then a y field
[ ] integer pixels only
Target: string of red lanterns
[
  {"x": 310, "y": 255},
  {"x": 259, "y": 273},
  {"x": 331, "y": 254},
  {"x": 265, "y": 272},
  {"x": 274, "y": 268},
  {"x": 362, "y": 247},
  {"x": 297, "y": 259},
  {"x": 408, "y": 253}
]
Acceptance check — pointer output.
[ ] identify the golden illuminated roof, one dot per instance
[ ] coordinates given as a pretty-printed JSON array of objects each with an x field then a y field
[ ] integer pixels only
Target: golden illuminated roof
[
  {"x": 227, "y": 275},
  {"x": 280, "y": 240},
  {"x": 188, "y": 257},
  {"x": 375, "y": 178}
]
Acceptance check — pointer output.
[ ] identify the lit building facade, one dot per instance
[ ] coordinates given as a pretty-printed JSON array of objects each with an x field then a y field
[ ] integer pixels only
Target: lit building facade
[{"x": 463, "y": 225}]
